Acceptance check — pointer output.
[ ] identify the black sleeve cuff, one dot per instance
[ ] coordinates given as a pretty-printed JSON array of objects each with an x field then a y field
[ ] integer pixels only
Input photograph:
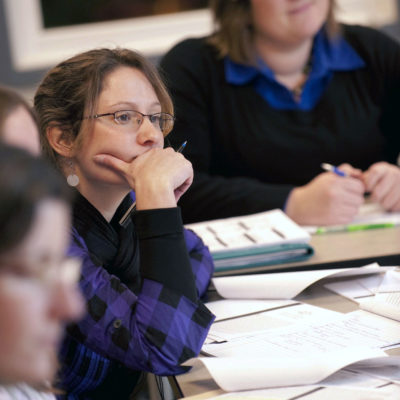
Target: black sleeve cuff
[{"x": 163, "y": 253}]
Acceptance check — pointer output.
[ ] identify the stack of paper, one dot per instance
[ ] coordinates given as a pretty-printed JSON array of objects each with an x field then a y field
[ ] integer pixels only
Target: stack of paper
[
  {"x": 300, "y": 354},
  {"x": 283, "y": 285},
  {"x": 283, "y": 343},
  {"x": 269, "y": 237},
  {"x": 379, "y": 294}
]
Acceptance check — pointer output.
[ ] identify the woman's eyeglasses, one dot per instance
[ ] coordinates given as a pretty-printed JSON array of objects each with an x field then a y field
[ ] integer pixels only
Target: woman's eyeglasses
[{"x": 132, "y": 120}]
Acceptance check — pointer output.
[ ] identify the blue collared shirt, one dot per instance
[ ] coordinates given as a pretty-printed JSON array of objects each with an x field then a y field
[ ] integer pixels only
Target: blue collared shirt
[{"x": 328, "y": 55}]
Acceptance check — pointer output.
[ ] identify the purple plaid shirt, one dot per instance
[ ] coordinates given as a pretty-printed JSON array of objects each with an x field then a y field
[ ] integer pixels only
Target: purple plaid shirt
[{"x": 153, "y": 330}]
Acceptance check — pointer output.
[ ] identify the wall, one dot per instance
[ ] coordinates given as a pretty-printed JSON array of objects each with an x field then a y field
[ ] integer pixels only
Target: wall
[
  {"x": 25, "y": 82},
  {"x": 8, "y": 75}
]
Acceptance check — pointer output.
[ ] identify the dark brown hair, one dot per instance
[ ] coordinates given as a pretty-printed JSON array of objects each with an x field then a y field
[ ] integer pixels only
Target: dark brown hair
[
  {"x": 233, "y": 33},
  {"x": 10, "y": 100},
  {"x": 25, "y": 181},
  {"x": 73, "y": 87}
]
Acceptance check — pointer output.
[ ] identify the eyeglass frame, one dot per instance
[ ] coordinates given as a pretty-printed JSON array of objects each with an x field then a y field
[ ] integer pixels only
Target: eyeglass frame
[
  {"x": 68, "y": 271},
  {"x": 138, "y": 112}
]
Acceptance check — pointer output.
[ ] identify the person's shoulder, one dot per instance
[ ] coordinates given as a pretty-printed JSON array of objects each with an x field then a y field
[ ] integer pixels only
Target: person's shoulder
[
  {"x": 194, "y": 45},
  {"x": 189, "y": 51},
  {"x": 367, "y": 38}
]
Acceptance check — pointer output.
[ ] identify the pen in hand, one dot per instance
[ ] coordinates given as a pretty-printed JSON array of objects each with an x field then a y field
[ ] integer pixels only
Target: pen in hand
[
  {"x": 125, "y": 218},
  {"x": 182, "y": 146},
  {"x": 332, "y": 168}
]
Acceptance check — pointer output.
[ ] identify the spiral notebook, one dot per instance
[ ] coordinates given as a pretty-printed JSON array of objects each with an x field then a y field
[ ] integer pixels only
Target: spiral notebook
[{"x": 265, "y": 238}]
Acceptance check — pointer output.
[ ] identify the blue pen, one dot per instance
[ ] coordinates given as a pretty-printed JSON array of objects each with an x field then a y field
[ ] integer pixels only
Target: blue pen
[{"x": 332, "y": 168}]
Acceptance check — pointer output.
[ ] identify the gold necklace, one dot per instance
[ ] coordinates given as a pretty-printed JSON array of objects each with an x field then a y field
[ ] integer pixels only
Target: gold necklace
[{"x": 297, "y": 91}]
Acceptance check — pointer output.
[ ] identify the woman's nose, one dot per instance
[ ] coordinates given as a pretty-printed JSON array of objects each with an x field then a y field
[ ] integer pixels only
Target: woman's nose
[{"x": 149, "y": 134}]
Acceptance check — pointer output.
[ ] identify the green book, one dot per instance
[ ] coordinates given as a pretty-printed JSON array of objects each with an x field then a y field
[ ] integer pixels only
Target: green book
[{"x": 266, "y": 238}]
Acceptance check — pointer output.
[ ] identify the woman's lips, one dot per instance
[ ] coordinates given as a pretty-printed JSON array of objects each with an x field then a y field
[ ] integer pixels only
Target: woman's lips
[{"x": 300, "y": 9}]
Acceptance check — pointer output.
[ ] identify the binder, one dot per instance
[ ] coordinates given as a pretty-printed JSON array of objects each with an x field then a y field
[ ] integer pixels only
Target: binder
[{"x": 243, "y": 242}]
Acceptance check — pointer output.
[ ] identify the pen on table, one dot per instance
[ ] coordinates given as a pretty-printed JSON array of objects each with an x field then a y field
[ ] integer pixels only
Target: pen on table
[
  {"x": 332, "y": 168},
  {"x": 353, "y": 227},
  {"x": 125, "y": 218}
]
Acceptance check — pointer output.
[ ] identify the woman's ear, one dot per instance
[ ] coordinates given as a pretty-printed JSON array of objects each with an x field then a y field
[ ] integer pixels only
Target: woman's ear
[{"x": 60, "y": 141}]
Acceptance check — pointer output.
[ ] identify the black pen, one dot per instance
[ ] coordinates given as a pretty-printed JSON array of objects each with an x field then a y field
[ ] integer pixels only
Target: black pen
[{"x": 124, "y": 220}]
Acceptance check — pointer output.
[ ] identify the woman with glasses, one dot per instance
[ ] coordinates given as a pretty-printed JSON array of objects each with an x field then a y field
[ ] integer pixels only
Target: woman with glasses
[
  {"x": 38, "y": 286},
  {"x": 278, "y": 89},
  {"x": 103, "y": 116}
]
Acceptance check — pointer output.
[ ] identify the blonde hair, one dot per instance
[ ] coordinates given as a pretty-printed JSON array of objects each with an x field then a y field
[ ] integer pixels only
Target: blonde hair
[{"x": 233, "y": 32}]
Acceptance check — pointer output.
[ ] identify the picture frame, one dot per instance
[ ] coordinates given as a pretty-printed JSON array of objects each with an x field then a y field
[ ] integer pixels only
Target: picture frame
[{"x": 33, "y": 47}]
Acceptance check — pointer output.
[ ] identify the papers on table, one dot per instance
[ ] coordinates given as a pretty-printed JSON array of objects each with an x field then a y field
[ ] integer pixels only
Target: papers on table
[
  {"x": 379, "y": 294},
  {"x": 225, "y": 309},
  {"x": 341, "y": 332},
  {"x": 347, "y": 384},
  {"x": 358, "y": 288},
  {"x": 259, "y": 239},
  {"x": 370, "y": 214},
  {"x": 275, "y": 318},
  {"x": 285, "y": 347},
  {"x": 284, "y": 285},
  {"x": 389, "y": 392},
  {"x": 299, "y": 354},
  {"x": 246, "y": 373},
  {"x": 385, "y": 304}
]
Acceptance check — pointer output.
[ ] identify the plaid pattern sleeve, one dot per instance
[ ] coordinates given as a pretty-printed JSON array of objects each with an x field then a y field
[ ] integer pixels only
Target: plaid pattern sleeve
[
  {"x": 154, "y": 330},
  {"x": 201, "y": 261}
]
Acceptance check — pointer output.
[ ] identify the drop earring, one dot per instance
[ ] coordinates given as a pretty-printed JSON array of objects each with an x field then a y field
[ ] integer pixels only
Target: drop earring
[{"x": 72, "y": 178}]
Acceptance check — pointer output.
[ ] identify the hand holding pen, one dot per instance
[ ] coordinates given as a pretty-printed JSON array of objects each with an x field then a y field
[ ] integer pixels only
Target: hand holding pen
[
  {"x": 328, "y": 199},
  {"x": 344, "y": 170},
  {"x": 332, "y": 168}
]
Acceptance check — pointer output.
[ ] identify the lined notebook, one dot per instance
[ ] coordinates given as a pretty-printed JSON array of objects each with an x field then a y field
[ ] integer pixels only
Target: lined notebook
[{"x": 265, "y": 238}]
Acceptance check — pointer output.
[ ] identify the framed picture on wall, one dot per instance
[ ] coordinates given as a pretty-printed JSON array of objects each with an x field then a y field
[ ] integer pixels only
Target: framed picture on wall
[{"x": 43, "y": 32}]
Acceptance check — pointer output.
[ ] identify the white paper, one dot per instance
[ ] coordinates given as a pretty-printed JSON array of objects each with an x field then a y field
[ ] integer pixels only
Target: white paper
[
  {"x": 391, "y": 392},
  {"x": 282, "y": 285},
  {"x": 356, "y": 289},
  {"x": 341, "y": 385},
  {"x": 390, "y": 281},
  {"x": 343, "y": 333},
  {"x": 386, "y": 368},
  {"x": 270, "y": 319},
  {"x": 350, "y": 378},
  {"x": 315, "y": 393},
  {"x": 385, "y": 304},
  {"x": 286, "y": 393},
  {"x": 249, "y": 231},
  {"x": 248, "y": 373},
  {"x": 224, "y": 309},
  {"x": 386, "y": 301}
]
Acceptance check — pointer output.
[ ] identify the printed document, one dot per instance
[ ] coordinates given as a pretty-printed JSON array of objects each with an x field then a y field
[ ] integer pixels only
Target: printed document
[{"x": 282, "y": 285}]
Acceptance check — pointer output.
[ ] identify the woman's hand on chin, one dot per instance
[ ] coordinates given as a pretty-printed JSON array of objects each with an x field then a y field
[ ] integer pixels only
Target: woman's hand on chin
[{"x": 158, "y": 176}]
